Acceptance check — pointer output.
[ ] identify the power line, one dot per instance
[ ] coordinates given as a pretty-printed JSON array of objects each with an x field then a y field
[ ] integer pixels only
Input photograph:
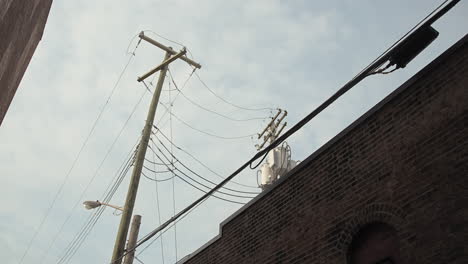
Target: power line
[
  {"x": 67, "y": 176},
  {"x": 212, "y": 111},
  {"x": 156, "y": 180},
  {"x": 79, "y": 238},
  {"x": 163, "y": 232},
  {"x": 204, "y": 132},
  {"x": 93, "y": 177},
  {"x": 229, "y": 103},
  {"x": 176, "y": 96},
  {"x": 193, "y": 172},
  {"x": 177, "y": 169},
  {"x": 158, "y": 210},
  {"x": 172, "y": 163},
  {"x": 375, "y": 64},
  {"x": 197, "y": 160},
  {"x": 196, "y": 187}
]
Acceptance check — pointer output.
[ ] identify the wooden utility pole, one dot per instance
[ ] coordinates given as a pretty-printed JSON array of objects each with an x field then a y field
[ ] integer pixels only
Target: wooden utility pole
[
  {"x": 132, "y": 239},
  {"x": 271, "y": 129},
  {"x": 119, "y": 245}
]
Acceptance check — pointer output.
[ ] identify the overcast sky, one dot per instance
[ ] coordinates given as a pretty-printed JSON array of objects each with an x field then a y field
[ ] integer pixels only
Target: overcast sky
[{"x": 262, "y": 53}]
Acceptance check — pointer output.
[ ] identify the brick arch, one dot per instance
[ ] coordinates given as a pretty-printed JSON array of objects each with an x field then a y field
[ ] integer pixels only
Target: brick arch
[{"x": 377, "y": 212}]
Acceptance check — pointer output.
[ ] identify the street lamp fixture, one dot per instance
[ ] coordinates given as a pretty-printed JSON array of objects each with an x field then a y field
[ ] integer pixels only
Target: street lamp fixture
[{"x": 94, "y": 204}]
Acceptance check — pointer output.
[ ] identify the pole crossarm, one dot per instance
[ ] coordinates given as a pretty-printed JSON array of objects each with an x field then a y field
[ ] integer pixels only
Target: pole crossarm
[
  {"x": 168, "y": 50},
  {"x": 162, "y": 65}
]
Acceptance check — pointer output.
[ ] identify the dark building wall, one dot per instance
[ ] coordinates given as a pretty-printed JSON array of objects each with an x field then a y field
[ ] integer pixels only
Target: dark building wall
[
  {"x": 21, "y": 26},
  {"x": 403, "y": 165}
]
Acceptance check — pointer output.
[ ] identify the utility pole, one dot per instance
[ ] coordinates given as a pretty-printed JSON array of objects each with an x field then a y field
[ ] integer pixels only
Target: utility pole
[
  {"x": 133, "y": 236},
  {"x": 119, "y": 245},
  {"x": 271, "y": 129}
]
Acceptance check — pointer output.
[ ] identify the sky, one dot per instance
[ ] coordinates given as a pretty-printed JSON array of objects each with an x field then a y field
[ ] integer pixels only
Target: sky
[{"x": 254, "y": 54}]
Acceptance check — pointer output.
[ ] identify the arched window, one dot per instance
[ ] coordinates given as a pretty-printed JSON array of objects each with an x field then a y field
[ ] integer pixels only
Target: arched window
[{"x": 375, "y": 243}]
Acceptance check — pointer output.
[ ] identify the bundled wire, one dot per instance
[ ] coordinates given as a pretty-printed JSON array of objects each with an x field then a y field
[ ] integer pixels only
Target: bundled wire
[
  {"x": 197, "y": 160},
  {"x": 197, "y": 174},
  {"x": 167, "y": 159},
  {"x": 82, "y": 234},
  {"x": 377, "y": 63}
]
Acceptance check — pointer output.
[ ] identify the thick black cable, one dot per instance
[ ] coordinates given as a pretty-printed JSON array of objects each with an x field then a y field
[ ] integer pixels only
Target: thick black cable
[
  {"x": 428, "y": 22},
  {"x": 279, "y": 140}
]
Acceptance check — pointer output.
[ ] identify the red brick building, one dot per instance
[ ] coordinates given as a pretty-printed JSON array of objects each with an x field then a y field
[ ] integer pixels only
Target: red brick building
[
  {"x": 390, "y": 188},
  {"x": 21, "y": 26}
]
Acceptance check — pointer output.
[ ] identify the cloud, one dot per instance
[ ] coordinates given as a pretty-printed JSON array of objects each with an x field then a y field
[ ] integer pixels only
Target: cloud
[{"x": 290, "y": 54}]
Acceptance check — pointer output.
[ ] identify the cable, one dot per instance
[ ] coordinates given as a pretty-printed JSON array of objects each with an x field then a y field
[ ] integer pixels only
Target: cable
[
  {"x": 197, "y": 160},
  {"x": 67, "y": 176},
  {"x": 102, "y": 162},
  {"x": 173, "y": 167},
  {"x": 176, "y": 169},
  {"x": 156, "y": 180},
  {"x": 158, "y": 211},
  {"x": 275, "y": 143},
  {"x": 212, "y": 111},
  {"x": 162, "y": 233},
  {"x": 204, "y": 132},
  {"x": 229, "y": 103},
  {"x": 82, "y": 234},
  {"x": 175, "y": 98},
  {"x": 94, "y": 175},
  {"x": 87, "y": 227},
  {"x": 193, "y": 172},
  {"x": 144, "y": 166},
  {"x": 402, "y": 37}
]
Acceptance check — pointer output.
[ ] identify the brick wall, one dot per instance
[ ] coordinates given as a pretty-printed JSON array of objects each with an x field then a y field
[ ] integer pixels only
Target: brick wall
[
  {"x": 21, "y": 26},
  {"x": 404, "y": 164}
]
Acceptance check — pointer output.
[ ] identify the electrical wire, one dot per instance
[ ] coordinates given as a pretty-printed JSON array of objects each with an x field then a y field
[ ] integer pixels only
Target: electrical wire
[
  {"x": 95, "y": 173},
  {"x": 89, "y": 224},
  {"x": 67, "y": 176},
  {"x": 156, "y": 180},
  {"x": 158, "y": 210},
  {"x": 164, "y": 171},
  {"x": 197, "y": 160},
  {"x": 212, "y": 111},
  {"x": 204, "y": 132},
  {"x": 403, "y": 37},
  {"x": 193, "y": 172},
  {"x": 199, "y": 183},
  {"x": 229, "y": 103},
  {"x": 173, "y": 167},
  {"x": 175, "y": 98},
  {"x": 375, "y": 64},
  {"x": 162, "y": 233}
]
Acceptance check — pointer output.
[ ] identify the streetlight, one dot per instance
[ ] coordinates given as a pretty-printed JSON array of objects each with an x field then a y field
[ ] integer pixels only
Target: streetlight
[
  {"x": 135, "y": 228},
  {"x": 94, "y": 204}
]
